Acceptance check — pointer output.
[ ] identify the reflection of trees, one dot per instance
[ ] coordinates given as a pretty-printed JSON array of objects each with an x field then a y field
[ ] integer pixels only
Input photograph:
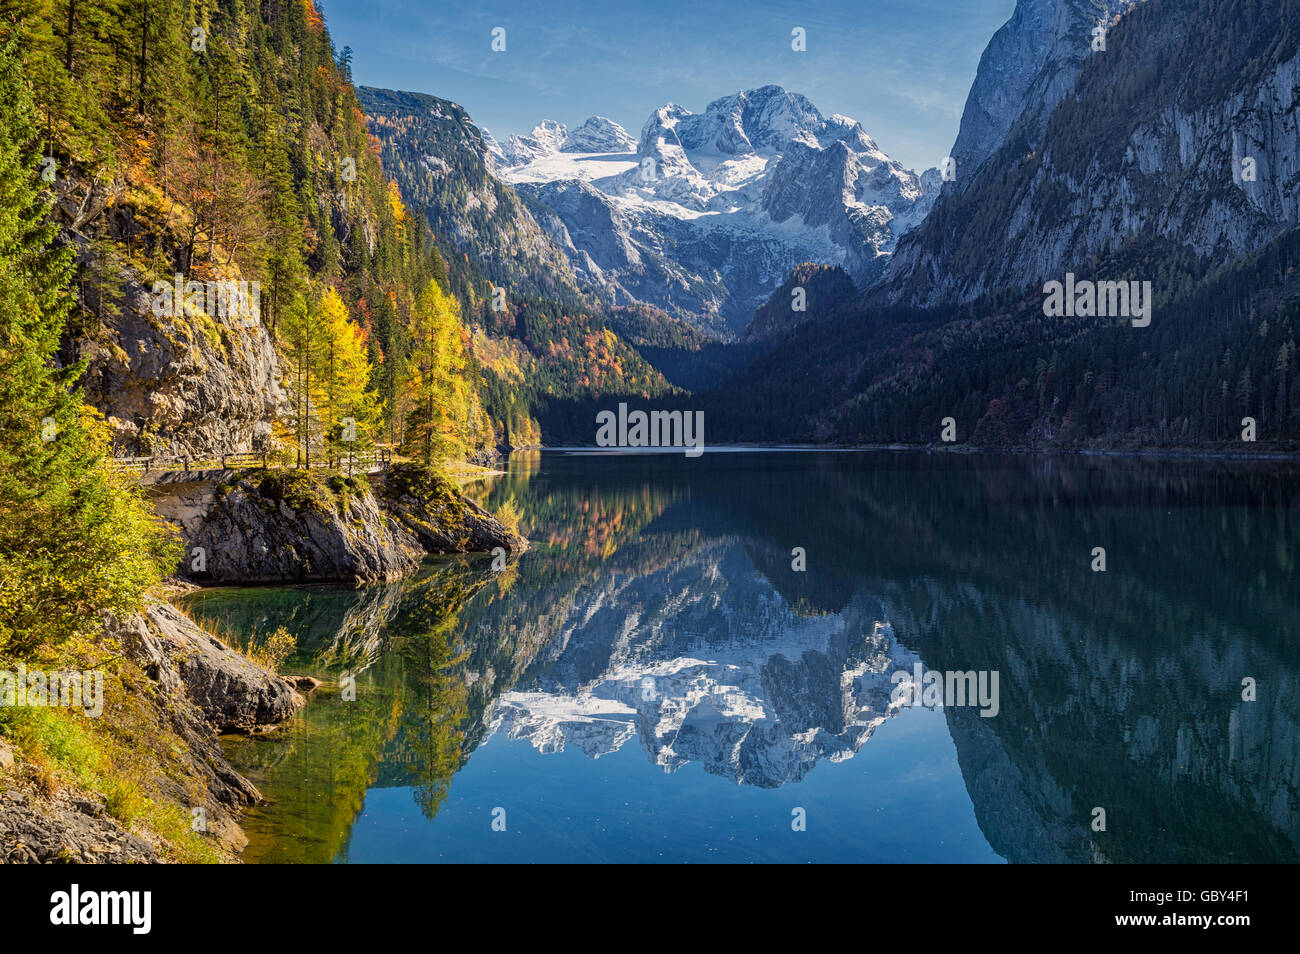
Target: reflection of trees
[
  {"x": 411, "y": 702},
  {"x": 435, "y": 696},
  {"x": 1117, "y": 688}
]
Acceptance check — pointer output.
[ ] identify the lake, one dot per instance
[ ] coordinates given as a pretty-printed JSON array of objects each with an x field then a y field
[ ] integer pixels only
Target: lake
[{"x": 716, "y": 660}]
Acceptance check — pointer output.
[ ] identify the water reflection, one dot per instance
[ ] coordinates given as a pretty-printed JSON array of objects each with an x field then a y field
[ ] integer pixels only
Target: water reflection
[{"x": 660, "y": 612}]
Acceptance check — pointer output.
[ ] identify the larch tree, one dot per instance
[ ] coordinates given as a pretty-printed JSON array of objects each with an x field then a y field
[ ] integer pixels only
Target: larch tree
[
  {"x": 347, "y": 409},
  {"x": 438, "y": 393}
]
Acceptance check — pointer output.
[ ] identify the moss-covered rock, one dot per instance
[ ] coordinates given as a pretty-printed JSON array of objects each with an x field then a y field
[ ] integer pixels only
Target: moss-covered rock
[
  {"x": 297, "y": 526},
  {"x": 310, "y": 526},
  {"x": 439, "y": 516}
]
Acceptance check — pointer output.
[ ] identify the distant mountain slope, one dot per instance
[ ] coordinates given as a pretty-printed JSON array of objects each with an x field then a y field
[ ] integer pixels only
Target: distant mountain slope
[
  {"x": 1136, "y": 176},
  {"x": 1029, "y": 65},
  {"x": 819, "y": 289},
  {"x": 547, "y": 345},
  {"x": 443, "y": 165},
  {"x": 1149, "y": 144}
]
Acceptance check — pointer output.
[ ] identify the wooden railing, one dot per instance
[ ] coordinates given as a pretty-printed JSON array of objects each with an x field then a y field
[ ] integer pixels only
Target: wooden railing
[{"x": 378, "y": 458}]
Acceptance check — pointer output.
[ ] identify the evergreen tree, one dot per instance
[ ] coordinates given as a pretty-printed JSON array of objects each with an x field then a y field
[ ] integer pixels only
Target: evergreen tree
[{"x": 75, "y": 540}]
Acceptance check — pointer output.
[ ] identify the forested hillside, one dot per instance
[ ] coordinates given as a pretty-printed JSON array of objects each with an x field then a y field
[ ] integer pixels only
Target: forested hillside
[
  {"x": 544, "y": 343},
  {"x": 1139, "y": 175},
  {"x": 1222, "y": 349},
  {"x": 200, "y": 254}
]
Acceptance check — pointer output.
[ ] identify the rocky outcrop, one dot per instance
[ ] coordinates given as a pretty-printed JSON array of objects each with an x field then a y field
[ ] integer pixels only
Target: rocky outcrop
[
  {"x": 183, "y": 385},
  {"x": 295, "y": 526},
  {"x": 299, "y": 526},
  {"x": 66, "y": 828},
  {"x": 438, "y": 517},
  {"x": 233, "y": 693},
  {"x": 183, "y": 662},
  {"x": 200, "y": 687},
  {"x": 184, "y": 687}
]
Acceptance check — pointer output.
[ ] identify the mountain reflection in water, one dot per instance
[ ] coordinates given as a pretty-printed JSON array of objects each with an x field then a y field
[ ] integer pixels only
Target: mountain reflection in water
[{"x": 657, "y": 627}]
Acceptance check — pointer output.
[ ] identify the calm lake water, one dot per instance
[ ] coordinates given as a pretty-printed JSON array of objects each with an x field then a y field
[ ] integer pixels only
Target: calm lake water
[{"x": 655, "y": 679}]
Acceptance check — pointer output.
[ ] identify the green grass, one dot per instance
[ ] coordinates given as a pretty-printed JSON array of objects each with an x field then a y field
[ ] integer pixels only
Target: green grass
[{"x": 119, "y": 756}]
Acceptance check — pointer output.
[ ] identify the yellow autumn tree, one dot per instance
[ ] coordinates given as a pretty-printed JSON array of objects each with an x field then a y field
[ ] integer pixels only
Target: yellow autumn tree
[
  {"x": 445, "y": 415},
  {"x": 348, "y": 411}
]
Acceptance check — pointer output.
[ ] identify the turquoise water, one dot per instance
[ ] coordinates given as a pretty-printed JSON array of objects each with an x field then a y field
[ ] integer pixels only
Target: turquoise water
[{"x": 695, "y": 662}]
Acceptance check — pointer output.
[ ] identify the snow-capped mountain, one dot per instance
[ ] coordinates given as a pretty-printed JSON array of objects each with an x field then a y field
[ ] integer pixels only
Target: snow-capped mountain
[
  {"x": 712, "y": 210},
  {"x": 545, "y": 139}
]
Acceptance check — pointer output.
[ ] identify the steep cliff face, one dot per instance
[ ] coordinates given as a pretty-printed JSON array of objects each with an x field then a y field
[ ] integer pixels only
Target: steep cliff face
[
  {"x": 180, "y": 383},
  {"x": 611, "y": 250},
  {"x": 444, "y": 166},
  {"x": 1153, "y": 144},
  {"x": 1028, "y": 67}
]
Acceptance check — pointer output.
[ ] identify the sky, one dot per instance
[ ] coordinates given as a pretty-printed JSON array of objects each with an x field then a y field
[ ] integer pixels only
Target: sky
[{"x": 902, "y": 68}]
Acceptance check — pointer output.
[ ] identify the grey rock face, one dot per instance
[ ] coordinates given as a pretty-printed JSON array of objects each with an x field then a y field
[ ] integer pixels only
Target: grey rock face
[
  {"x": 66, "y": 829},
  {"x": 763, "y": 119},
  {"x": 455, "y": 184},
  {"x": 233, "y": 693},
  {"x": 197, "y": 686},
  {"x": 435, "y": 518},
  {"x": 254, "y": 532},
  {"x": 155, "y": 641},
  {"x": 1029, "y": 65},
  {"x": 863, "y": 198},
  {"x": 292, "y": 526},
  {"x": 1169, "y": 171},
  {"x": 187, "y": 385}
]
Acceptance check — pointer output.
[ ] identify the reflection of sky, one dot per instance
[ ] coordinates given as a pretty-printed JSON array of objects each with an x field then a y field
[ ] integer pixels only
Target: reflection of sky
[
  {"x": 900, "y": 67},
  {"x": 901, "y": 798}
]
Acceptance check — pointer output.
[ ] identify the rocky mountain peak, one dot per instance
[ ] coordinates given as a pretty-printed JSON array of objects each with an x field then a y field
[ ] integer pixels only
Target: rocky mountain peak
[
  {"x": 599, "y": 134},
  {"x": 546, "y": 139},
  {"x": 1029, "y": 65}
]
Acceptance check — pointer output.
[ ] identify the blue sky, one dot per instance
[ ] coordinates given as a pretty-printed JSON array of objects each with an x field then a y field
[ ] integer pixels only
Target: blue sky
[{"x": 900, "y": 67}]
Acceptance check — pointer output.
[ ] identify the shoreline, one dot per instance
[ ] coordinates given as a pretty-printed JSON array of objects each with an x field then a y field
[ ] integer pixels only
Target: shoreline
[{"x": 1189, "y": 454}]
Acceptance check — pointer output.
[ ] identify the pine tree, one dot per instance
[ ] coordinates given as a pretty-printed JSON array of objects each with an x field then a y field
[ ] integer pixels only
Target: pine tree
[{"x": 75, "y": 540}]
